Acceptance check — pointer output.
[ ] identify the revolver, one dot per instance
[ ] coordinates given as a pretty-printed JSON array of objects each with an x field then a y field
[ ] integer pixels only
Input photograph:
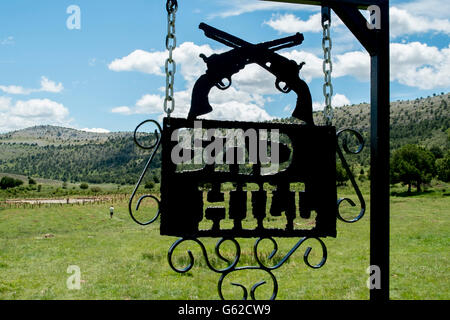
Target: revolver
[{"x": 221, "y": 67}]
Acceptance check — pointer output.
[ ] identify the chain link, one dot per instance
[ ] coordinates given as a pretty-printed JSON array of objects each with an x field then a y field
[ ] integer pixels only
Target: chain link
[
  {"x": 327, "y": 70},
  {"x": 170, "y": 65}
]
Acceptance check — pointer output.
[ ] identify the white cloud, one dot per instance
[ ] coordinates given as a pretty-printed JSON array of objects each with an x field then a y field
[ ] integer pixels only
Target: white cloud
[
  {"x": 289, "y": 23},
  {"x": 27, "y": 113},
  {"x": 50, "y": 86},
  {"x": 338, "y": 100},
  {"x": 235, "y": 110},
  {"x": 154, "y": 104},
  {"x": 140, "y": 60},
  {"x": 418, "y": 65},
  {"x": 413, "y": 64},
  {"x": 403, "y": 22},
  {"x": 343, "y": 39},
  {"x": 150, "y": 103},
  {"x": 92, "y": 62},
  {"x": 46, "y": 86},
  {"x": 238, "y": 7},
  {"x": 427, "y": 8},
  {"x": 7, "y": 41},
  {"x": 122, "y": 110},
  {"x": 246, "y": 93},
  {"x": 12, "y": 89},
  {"x": 96, "y": 130},
  {"x": 353, "y": 63},
  {"x": 313, "y": 64},
  {"x": 186, "y": 55},
  {"x": 231, "y": 104}
]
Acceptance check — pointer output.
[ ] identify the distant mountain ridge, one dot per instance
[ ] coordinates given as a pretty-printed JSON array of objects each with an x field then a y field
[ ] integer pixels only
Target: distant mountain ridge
[
  {"x": 73, "y": 155},
  {"x": 46, "y": 135}
]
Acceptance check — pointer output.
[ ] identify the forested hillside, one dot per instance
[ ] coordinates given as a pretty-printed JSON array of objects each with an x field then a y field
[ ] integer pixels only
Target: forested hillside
[
  {"x": 89, "y": 157},
  {"x": 75, "y": 156}
]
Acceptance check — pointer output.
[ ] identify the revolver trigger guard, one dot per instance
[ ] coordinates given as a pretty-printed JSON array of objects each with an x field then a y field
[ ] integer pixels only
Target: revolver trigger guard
[
  {"x": 286, "y": 88},
  {"x": 222, "y": 86}
]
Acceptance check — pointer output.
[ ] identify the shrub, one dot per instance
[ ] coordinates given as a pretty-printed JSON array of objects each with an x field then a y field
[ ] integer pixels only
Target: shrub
[
  {"x": 96, "y": 189},
  {"x": 149, "y": 185},
  {"x": 84, "y": 186}
]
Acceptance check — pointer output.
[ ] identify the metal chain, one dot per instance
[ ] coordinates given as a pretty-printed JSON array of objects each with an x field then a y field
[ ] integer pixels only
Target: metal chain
[
  {"x": 170, "y": 65},
  {"x": 327, "y": 70}
]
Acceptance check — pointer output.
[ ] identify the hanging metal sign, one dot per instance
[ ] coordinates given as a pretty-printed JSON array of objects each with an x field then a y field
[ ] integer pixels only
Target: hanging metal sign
[
  {"x": 308, "y": 158},
  {"x": 238, "y": 153},
  {"x": 277, "y": 169}
]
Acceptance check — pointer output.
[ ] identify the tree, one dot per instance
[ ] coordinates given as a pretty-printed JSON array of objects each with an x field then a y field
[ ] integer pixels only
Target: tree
[
  {"x": 412, "y": 164},
  {"x": 443, "y": 168},
  {"x": 341, "y": 174},
  {"x": 437, "y": 152},
  {"x": 8, "y": 182}
]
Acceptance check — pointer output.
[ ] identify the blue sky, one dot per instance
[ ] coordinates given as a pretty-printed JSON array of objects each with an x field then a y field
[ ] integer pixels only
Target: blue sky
[{"x": 108, "y": 74}]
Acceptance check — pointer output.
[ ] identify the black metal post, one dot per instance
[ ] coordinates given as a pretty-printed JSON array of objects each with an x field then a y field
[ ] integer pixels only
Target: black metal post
[
  {"x": 379, "y": 164},
  {"x": 376, "y": 42}
]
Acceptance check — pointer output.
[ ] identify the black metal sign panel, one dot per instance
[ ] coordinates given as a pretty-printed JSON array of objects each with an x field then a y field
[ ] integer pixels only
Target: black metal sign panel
[{"x": 200, "y": 156}]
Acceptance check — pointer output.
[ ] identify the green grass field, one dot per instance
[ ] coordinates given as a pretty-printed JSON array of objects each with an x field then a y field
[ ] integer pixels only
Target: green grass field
[{"x": 121, "y": 260}]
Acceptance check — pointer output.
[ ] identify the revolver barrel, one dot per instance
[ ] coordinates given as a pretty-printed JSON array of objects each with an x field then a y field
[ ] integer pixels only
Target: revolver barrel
[
  {"x": 235, "y": 42},
  {"x": 282, "y": 43}
]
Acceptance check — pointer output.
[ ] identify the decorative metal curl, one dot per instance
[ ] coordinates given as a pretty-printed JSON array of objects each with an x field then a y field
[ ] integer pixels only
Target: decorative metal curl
[
  {"x": 290, "y": 253},
  {"x": 205, "y": 254},
  {"x": 155, "y": 147},
  {"x": 254, "y": 287},
  {"x": 232, "y": 267},
  {"x": 350, "y": 174}
]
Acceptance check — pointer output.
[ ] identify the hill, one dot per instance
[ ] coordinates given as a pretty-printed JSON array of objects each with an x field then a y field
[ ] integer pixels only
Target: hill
[
  {"x": 72, "y": 155},
  {"x": 52, "y": 135},
  {"x": 422, "y": 121}
]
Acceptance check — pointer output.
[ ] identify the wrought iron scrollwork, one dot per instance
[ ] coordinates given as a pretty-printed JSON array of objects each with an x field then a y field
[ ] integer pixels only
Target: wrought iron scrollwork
[
  {"x": 350, "y": 174},
  {"x": 232, "y": 264},
  {"x": 155, "y": 148}
]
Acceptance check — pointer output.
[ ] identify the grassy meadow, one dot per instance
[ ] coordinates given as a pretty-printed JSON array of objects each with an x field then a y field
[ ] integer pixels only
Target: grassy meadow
[{"x": 119, "y": 259}]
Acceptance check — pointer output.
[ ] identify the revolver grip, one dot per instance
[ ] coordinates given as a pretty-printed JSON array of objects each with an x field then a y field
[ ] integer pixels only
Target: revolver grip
[
  {"x": 199, "y": 102},
  {"x": 303, "y": 109}
]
